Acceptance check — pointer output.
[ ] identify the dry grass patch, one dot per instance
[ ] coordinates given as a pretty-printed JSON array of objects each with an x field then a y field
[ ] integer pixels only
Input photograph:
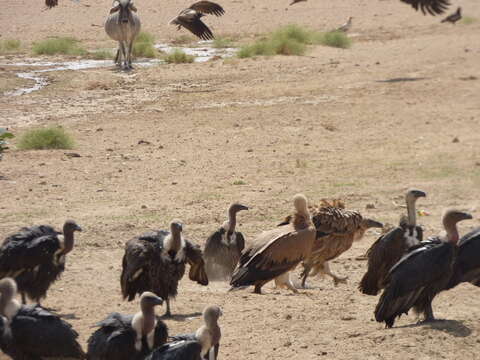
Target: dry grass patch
[
  {"x": 61, "y": 45},
  {"x": 178, "y": 57},
  {"x": 52, "y": 137}
]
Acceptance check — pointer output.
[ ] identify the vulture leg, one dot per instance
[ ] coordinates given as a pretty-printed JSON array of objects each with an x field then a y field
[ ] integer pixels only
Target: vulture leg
[
  {"x": 429, "y": 313},
  {"x": 24, "y": 299},
  {"x": 168, "y": 313},
  {"x": 258, "y": 287},
  {"x": 336, "y": 279}
]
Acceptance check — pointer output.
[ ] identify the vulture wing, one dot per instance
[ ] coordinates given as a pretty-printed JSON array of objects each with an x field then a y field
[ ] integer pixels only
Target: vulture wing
[
  {"x": 467, "y": 264},
  {"x": 195, "y": 26},
  {"x": 179, "y": 350},
  {"x": 208, "y": 7},
  {"x": 221, "y": 256},
  {"x": 432, "y": 7},
  {"x": 197, "y": 265}
]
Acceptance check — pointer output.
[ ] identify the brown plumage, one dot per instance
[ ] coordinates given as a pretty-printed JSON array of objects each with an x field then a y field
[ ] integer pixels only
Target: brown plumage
[
  {"x": 190, "y": 18},
  {"x": 276, "y": 251}
]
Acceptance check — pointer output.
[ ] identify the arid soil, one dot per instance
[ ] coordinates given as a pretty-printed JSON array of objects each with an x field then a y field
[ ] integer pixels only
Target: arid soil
[{"x": 401, "y": 108}]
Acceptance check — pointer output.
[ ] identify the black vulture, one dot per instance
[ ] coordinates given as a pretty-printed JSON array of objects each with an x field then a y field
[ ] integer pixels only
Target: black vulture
[
  {"x": 178, "y": 350},
  {"x": 156, "y": 262},
  {"x": 190, "y": 18},
  {"x": 467, "y": 263},
  {"x": 224, "y": 247},
  {"x": 421, "y": 274},
  {"x": 32, "y": 332},
  {"x": 453, "y": 18},
  {"x": 337, "y": 229},
  {"x": 278, "y": 251},
  {"x": 35, "y": 257},
  {"x": 391, "y": 246},
  {"x": 129, "y": 337}
]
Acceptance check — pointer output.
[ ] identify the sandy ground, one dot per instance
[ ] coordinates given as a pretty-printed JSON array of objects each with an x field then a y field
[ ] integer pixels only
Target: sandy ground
[{"x": 362, "y": 125}]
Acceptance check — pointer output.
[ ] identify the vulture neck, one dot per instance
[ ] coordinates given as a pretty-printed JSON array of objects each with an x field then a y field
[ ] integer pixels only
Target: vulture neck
[
  {"x": 452, "y": 232},
  {"x": 148, "y": 319},
  {"x": 8, "y": 305},
  {"x": 232, "y": 220},
  {"x": 68, "y": 240},
  {"x": 412, "y": 214},
  {"x": 174, "y": 242}
]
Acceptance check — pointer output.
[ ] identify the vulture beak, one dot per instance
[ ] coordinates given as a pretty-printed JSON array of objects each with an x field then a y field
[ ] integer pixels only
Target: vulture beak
[
  {"x": 467, "y": 216},
  {"x": 157, "y": 300},
  {"x": 242, "y": 207},
  {"x": 419, "y": 193},
  {"x": 78, "y": 228}
]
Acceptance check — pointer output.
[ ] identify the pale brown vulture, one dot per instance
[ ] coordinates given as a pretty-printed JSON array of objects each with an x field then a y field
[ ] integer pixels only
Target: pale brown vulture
[
  {"x": 224, "y": 247},
  {"x": 276, "y": 251},
  {"x": 337, "y": 228},
  {"x": 156, "y": 262},
  {"x": 190, "y": 18},
  {"x": 390, "y": 247},
  {"x": 421, "y": 274}
]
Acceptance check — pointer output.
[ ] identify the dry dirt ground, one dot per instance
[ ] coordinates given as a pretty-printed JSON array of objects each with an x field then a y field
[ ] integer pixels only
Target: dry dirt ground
[{"x": 362, "y": 124}]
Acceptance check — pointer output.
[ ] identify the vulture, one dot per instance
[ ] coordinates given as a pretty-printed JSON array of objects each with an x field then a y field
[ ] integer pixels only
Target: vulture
[
  {"x": 345, "y": 27},
  {"x": 391, "y": 246},
  {"x": 190, "y": 18},
  {"x": 453, "y": 18},
  {"x": 30, "y": 332},
  {"x": 35, "y": 257},
  {"x": 421, "y": 274},
  {"x": 224, "y": 247},
  {"x": 336, "y": 229},
  {"x": 207, "y": 336},
  {"x": 129, "y": 337},
  {"x": 278, "y": 251},
  {"x": 156, "y": 262}
]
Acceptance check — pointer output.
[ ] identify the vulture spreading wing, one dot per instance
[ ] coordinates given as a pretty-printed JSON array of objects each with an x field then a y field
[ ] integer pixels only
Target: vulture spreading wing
[
  {"x": 194, "y": 256},
  {"x": 432, "y": 7}
]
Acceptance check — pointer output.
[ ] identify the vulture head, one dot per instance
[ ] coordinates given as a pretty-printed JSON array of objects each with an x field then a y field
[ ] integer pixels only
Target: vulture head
[
  {"x": 70, "y": 227},
  {"x": 236, "y": 207},
  {"x": 450, "y": 219},
  {"x": 211, "y": 314},
  {"x": 149, "y": 300},
  {"x": 414, "y": 194}
]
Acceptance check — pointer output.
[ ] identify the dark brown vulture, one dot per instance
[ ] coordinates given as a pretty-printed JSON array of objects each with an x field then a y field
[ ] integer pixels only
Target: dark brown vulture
[
  {"x": 129, "y": 337},
  {"x": 156, "y": 262},
  {"x": 276, "y": 252},
  {"x": 453, "y": 18},
  {"x": 391, "y": 246},
  {"x": 35, "y": 257},
  {"x": 421, "y": 274},
  {"x": 337, "y": 229},
  {"x": 224, "y": 247},
  {"x": 31, "y": 332},
  {"x": 190, "y": 18}
]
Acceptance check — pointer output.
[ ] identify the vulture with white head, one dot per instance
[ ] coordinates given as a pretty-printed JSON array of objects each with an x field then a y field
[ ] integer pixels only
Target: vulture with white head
[
  {"x": 156, "y": 262},
  {"x": 129, "y": 337},
  {"x": 35, "y": 257},
  {"x": 391, "y": 246},
  {"x": 278, "y": 251},
  {"x": 224, "y": 247},
  {"x": 421, "y": 274}
]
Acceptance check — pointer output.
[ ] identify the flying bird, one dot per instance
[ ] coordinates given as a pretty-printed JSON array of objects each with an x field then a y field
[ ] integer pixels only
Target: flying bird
[
  {"x": 190, "y": 18},
  {"x": 31, "y": 332},
  {"x": 35, "y": 257},
  {"x": 224, "y": 247},
  {"x": 391, "y": 246},
  {"x": 421, "y": 274},
  {"x": 453, "y": 18},
  {"x": 345, "y": 27},
  {"x": 276, "y": 251},
  {"x": 156, "y": 262},
  {"x": 129, "y": 337}
]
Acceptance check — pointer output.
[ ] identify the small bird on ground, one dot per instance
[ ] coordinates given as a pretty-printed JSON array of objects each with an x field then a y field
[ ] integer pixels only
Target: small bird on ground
[
  {"x": 345, "y": 27},
  {"x": 453, "y": 18}
]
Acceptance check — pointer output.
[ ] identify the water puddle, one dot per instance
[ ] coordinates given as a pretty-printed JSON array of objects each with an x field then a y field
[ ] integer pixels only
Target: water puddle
[{"x": 202, "y": 53}]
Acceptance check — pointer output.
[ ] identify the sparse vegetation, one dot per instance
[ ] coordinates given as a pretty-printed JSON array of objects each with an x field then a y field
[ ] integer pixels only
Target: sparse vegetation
[
  {"x": 183, "y": 39},
  {"x": 101, "y": 54},
  {"x": 4, "y": 135},
  {"x": 223, "y": 42},
  {"x": 468, "y": 20},
  {"x": 239, "y": 182},
  {"x": 143, "y": 46},
  {"x": 52, "y": 137},
  {"x": 178, "y": 57},
  {"x": 336, "y": 39},
  {"x": 9, "y": 46},
  {"x": 60, "y": 45}
]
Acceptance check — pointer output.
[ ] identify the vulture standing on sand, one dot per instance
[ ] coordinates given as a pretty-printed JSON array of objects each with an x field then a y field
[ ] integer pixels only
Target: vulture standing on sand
[
  {"x": 203, "y": 344},
  {"x": 276, "y": 252},
  {"x": 30, "y": 332},
  {"x": 337, "y": 229},
  {"x": 156, "y": 262},
  {"x": 224, "y": 247},
  {"x": 421, "y": 274},
  {"x": 453, "y": 18},
  {"x": 390, "y": 247},
  {"x": 129, "y": 337},
  {"x": 190, "y": 18},
  {"x": 35, "y": 257}
]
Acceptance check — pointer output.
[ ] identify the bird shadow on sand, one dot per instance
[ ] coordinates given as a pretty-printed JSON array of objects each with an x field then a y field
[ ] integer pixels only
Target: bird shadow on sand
[
  {"x": 452, "y": 327},
  {"x": 401, "y": 79},
  {"x": 182, "y": 317}
]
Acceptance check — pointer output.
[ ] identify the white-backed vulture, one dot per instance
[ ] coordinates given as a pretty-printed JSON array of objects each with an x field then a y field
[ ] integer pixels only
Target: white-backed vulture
[
  {"x": 224, "y": 247},
  {"x": 421, "y": 274},
  {"x": 156, "y": 262},
  {"x": 453, "y": 18},
  {"x": 31, "y": 332},
  {"x": 190, "y": 18},
  {"x": 35, "y": 257},
  {"x": 276, "y": 251},
  {"x": 129, "y": 337},
  {"x": 391, "y": 246}
]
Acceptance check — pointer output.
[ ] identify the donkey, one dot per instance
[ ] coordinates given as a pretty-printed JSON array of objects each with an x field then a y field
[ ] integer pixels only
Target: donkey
[{"x": 123, "y": 25}]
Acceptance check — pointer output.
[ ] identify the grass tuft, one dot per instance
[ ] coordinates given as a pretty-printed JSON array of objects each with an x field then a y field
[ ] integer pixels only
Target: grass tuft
[
  {"x": 178, "y": 57},
  {"x": 239, "y": 182},
  {"x": 61, "y": 45},
  {"x": 143, "y": 46},
  {"x": 9, "y": 46},
  {"x": 52, "y": 137},
  {"x": 101, "y": 54},
  {"x": 336, "y": 39},
  {"x": 468, "y": 20}
]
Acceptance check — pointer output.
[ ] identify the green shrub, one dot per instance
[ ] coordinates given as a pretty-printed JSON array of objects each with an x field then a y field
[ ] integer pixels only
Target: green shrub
[
  {"x": 52, "y": 137},
  {"x": 101, "y": 54},
  {"x": 336, "y": 39},
  {"x": 61, "y": 45},
  {"x": 178, "y": 57},
  {"x": 9, "y": 45},
  {"x": 143, "y": 46},
  {"x": 468, "y": 20}
]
